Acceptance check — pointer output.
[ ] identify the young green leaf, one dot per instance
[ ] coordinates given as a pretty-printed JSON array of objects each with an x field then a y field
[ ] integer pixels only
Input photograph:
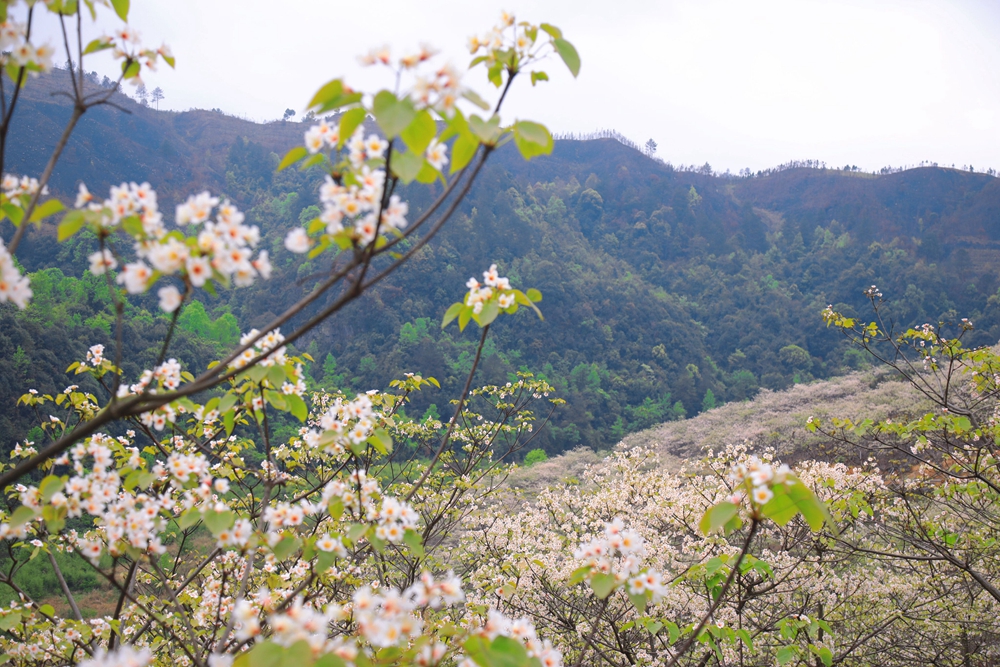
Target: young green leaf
[
  {"x": 452, "y": 313},
  {"x": 532, "y": 139},
  {"x": 419, "y": 133},
  {"x": 603, "y": 585},
  {"x": 71, "y": 223},
  {"x": 392, "y": 114},
  {"x": 350, "y": 120},
  {"x": 718, "y": 516},
  {"x": 569, "y": 55},
  {"x": 292, "y": 156},
  {"x": 121, "y": 8},
  {"x": 407, "y": 165}
]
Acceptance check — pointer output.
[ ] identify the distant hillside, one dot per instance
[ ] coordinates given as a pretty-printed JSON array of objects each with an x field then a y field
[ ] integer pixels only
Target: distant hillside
[
  {"x": 666, "y": 292},
  {"x": 772, "y": 420}
]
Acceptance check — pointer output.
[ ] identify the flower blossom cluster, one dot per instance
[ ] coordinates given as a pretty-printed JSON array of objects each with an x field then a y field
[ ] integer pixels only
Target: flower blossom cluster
[
  {"x": 619, "y": 552},
  {"x": 389, "y": 618},
  {"x": 344, "y": 423},
  {"x": 360, "y": 494},
  {"x": 17, "y": 191},
  {"x": 124, "y": 519},
  {"x": 480, "y": 293},
  {"x": 18, "y": 51},
  {"x": 439, "y": 91},
  {"x": 354, "y": 208},
  {"x": 762, "y": 476},
  {"x": 271, "y": 343},
  {"x": 491, "y": 43},
  {"x": 165, "y": 376},
  {"x": 13, "y": 286},
  {"x": 127, "y": 43},
  {"x": 223, "y": 246},
  {"x": 15, "y": 188}
]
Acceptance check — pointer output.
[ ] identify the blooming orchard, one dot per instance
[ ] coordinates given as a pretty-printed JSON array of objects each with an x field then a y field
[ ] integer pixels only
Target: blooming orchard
[{"x": 226, "y": 541}]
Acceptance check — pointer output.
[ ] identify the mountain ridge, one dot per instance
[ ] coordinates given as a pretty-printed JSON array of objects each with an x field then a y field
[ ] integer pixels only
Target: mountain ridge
[{"x": 666, "y": 291}]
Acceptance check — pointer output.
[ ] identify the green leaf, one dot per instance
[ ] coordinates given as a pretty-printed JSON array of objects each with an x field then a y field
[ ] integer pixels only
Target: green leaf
[
  {"x": 329, "y": 660},
  {"x": 71, "y": 223},
  {"x": 781, "y": 508},
  {"x": 269, "y": 654},
  {"x": 652, "y": 626},
  {"x": 428, "y": 174},
  {"x": 785, "y": 655},
  {"x": 452, "y": 313},
  {"x": 54, "y": 518},
  {"x": 318, "y": 158},
  {"x": 130, "y": 70},
  {"x": 286, "y": 547},
  {"x": 462, "y": 151},
  {"x": 640, "y": 602},
  {"x": 229, "y": 421},
  {"x": 718, "y": 516},
  {"x": 488, "y": 131},
  {"x": 501, "y": 652},
  {"x": 276, "y": 399},
  {"x": 419, "y": 133},
  {"x": 355, "y": 532},
  {"x": 414, "y": 541},
  {"x": 495, "y": 73},
  {"x": 297, "y": 407},
  {"x": 21, "y": 516},
  {"x": 538, "y": 76},
  {"x": 328, "y": 92},
  {"x": 133, "y": 227},
  {"x": 713, "y": 565},
  {"x": 464, "y": 317},
  {"x": 276, "y": 376},
  {"x": 579, "y": 574},
  {"x": 10, "y": 621},
  {"x": 553, "y": 31},
  {"x": 49, "y": 486},
  {"x": 569, "y": 55},
  {"x": 227, "y": 402},
  {"x": 392, "y": 114},
  {"x": 407, "y": 165},
  {"x": 603, "y": 585},
  {"x": 491, "y": 309},
  {"x": 189, "y": 518},
  {"x": 97, "y": 45},
  {"x": 332, "y": 95},
  {"x": 532, "y": 139},
  {"x": 51, "y": 207},
  {"x": 219, "y": 521},
  {"x": 349, "y": 121},
  {"x": 381, "y": 441},
  {"x": 324, "y": 559},
  {"x": 121, "y": 8},
  {"x": 292, "y": 156},
  {"x": 14, "y": 213},
  {"x": 826, "y": 655},
  {"x": 474, "y": 97},
  {"x": 534, "y": 295}
]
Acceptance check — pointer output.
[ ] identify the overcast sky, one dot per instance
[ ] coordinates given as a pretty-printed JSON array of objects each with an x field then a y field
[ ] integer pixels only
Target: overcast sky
[{"x": 729, "y": 82}]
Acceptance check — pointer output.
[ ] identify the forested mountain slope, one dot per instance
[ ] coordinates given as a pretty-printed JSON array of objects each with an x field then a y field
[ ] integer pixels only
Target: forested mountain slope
[{"x": 666, "y": 292}]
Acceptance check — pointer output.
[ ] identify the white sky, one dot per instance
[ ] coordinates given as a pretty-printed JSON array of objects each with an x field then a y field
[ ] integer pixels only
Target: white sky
[{"x": 730, "y": 82}]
